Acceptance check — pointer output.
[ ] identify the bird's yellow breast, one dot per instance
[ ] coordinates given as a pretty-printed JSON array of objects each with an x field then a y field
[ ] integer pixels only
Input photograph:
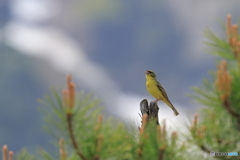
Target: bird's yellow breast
[{"x": 152, "y": 88}]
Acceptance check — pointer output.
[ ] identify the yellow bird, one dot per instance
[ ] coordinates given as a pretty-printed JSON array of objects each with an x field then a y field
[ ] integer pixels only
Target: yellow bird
[{"x": 157, "y": 91}]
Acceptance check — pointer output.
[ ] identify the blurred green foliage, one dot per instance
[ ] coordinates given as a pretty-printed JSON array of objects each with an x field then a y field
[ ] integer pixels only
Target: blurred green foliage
[{"x": 88, "y": 135}]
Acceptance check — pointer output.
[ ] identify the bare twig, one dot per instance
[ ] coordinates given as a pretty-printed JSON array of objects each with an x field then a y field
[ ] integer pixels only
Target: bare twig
[
  {"x": 151, "y": 110},
  {"x": 144, "y": 107}
]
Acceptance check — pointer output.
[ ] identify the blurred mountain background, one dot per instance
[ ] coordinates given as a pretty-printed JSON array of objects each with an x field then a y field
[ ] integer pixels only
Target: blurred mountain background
[{"x": 106, "y": 45}]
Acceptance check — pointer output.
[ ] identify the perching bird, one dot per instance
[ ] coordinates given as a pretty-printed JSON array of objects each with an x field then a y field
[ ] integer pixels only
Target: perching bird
[{"x": 157, "y": 91}]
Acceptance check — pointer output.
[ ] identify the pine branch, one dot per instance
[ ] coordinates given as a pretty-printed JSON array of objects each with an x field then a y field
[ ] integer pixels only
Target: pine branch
[
  {"x": 140, "y": 151},
  {"x": 99, "y": 138},
  {"x": 62, "y": 151},
  {"x": 72, "y": 137},
  {"x": 204, "y": 148},
  {"x": 99, "y": 146},
  {"x": 228, "y": 107},
  {"x": 161, "y": 154}
]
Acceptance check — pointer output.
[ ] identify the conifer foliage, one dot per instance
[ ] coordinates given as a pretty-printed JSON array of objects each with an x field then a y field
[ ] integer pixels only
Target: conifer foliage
[
  {"x": 76, "y": 121},
  {"x": 219, "y": 128}
]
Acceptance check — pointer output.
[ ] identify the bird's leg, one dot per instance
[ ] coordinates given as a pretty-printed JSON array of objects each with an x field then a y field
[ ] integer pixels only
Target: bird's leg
[{"x": 157, "y": 100}]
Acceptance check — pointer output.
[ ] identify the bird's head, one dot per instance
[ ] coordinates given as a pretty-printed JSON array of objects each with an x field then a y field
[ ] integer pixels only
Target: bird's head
[{"x": 150, "y": 73}]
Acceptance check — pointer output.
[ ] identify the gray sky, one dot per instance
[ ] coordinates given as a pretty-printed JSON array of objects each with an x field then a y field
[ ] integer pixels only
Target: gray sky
[{"x": 67, "y": 55}]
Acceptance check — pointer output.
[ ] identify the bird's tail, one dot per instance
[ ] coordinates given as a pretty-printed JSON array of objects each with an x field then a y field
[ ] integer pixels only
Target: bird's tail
[{"x": 172, "y": 107}]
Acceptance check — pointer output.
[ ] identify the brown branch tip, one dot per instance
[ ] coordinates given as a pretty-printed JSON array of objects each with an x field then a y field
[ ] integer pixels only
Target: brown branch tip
[
  {"x": 232, "y": 37},
  {"x": 69, "y": 93},
  {"x": 223, "y": 81},
  {"x": 63, "y": 153},
  {"x": 7, "y": 155}
]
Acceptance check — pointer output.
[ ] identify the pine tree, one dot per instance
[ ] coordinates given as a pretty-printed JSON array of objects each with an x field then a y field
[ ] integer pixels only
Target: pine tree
[
  {"x": 76, "y": 120},
  {"x": 219, "y": 128}
]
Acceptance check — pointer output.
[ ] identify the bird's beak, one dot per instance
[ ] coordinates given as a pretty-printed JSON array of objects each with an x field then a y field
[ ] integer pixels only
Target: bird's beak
[{"x": 146, "y": 72}]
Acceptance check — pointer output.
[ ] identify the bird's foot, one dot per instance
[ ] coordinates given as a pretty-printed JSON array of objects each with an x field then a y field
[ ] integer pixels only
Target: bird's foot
[{"x": 157, "y": 100}]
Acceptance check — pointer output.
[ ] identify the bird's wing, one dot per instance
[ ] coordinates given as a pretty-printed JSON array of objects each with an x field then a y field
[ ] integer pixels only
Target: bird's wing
[{"x": 162, "y": 90}]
